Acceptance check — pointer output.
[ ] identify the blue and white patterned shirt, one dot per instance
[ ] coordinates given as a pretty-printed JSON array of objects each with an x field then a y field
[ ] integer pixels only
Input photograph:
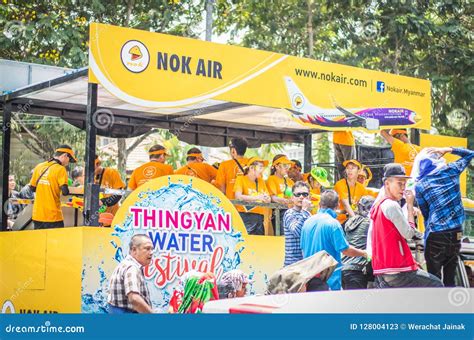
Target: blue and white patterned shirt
[
  {"x": 293, "y": 221},
  {"x": 439, "y": 195}
]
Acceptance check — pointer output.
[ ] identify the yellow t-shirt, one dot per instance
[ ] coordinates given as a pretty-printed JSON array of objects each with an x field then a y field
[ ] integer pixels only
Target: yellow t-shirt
[
  {"x": 147, "y": 172},
  {"x": 405, "y": 154},
  {"x": 47, "y": 204},
  {"x": 276, "y": 185},
  {"x": 371, "y": 192},
  {"x": 111, "y": 179},
  {"x": 343, "y": 138},
  {"x": 315, "y": 196},
  {"x": 248, "y": 187},
  {"x": 356, "y": 192},
  {"x": 203, "y": 171},
  {"x": 227, "y": 173}
]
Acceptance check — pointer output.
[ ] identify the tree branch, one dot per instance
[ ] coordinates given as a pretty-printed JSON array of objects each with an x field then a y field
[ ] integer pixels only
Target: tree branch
[
  {"x": 139, "y": 140},
  {"x": 29, "y": 145},
  {"x": 28, "y": 131}
]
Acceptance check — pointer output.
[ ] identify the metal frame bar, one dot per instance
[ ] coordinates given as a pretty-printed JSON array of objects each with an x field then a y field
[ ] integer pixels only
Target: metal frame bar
[
  {"x": 9, "y": 95},
  {"x": 75, "y": 114},
  {"x": 91, "y": 197},
  {"x": 5, "y": 161},
  {"x": 308, "y": 157}
]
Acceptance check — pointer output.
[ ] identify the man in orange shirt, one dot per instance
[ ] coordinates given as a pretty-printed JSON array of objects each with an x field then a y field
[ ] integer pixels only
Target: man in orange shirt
[
  {"x": 230, "y": 169},
  {"x": 108, "y": 178},
  {"x": 404, "y": 152},
  {"x": 153, "y": 169},
  {"x": 49, "y": 180},
  {"x": 344, "y": 149},
  {"x": 196, "y": 167}
]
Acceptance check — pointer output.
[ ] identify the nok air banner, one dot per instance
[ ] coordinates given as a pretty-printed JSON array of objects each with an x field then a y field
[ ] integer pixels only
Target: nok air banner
[
  {"x": 193, "y": 226},
  {"x": 163, "y": 71}
]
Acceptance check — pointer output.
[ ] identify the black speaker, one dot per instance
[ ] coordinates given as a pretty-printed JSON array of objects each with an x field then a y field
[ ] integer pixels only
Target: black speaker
[{"x": 375, "y": 157}]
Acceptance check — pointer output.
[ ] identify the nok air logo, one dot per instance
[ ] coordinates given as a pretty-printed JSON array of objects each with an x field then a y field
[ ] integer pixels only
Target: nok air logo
[
  {"x": 135, "y": 56},
  {"x": 298, "y": 101}
]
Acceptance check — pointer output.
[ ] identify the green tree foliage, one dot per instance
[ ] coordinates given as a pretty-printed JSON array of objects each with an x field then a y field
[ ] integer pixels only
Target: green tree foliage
[
  {"x": 425, "y": 39},
  {"x": 56, "y": 32}
]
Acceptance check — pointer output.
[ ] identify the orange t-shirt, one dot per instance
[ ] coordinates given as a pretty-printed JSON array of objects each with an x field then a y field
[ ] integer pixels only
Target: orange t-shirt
[
  {"x": 47, "y": 204},
  {"x": 276, "y": 185},
  {"x": 227, "y": 173},
  {"x": 404, "y": 154},
  {"x": 356, "y": 192},
  {"x": 343, "y": 138},
  {"x": 147, "y": 172},
  {"x": 249, "y": 188},
  {"x": 203, "y": 171},
  {"x": 111, "y": 179}
]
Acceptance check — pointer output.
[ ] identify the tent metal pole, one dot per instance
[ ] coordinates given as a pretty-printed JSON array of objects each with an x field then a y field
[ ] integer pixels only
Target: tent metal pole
[
  {"x": 415, "y": 136},
  {"x": 308, "y": 160},
  {"x": 6, "y": 137},
  {"x": 91, "y": 194}
]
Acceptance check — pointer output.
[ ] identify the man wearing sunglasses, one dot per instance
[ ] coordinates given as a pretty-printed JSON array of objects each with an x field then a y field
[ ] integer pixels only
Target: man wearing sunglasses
[
  {"x": 49, "y": 180},
  {"x": 293, "y": 221}
]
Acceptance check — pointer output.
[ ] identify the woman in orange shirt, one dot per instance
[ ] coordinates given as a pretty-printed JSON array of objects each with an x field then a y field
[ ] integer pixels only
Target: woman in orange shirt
[
  {"x": 280, "y": 185},
  {"x": 349, "y": 190},
  {"x": 251, "y": 188}
]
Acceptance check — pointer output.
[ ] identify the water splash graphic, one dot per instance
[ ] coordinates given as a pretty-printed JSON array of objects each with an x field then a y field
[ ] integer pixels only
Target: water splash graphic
[{"x": 177, "y": 196}]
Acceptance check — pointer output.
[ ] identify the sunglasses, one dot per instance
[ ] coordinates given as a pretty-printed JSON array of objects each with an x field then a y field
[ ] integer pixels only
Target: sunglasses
[{"x": 301, "y": 194}]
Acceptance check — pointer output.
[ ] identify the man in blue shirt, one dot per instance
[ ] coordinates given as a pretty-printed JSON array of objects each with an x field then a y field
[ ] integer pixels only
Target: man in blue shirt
[
  {"x": 323, "y": 232},
  {"x": 439, "y": 196}
]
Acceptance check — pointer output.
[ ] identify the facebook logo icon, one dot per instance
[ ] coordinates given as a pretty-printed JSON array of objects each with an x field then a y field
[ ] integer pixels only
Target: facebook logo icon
[{"x": 380, "y": 86}]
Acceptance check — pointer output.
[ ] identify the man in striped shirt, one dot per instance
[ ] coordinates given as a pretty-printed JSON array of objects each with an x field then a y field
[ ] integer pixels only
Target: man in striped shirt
[{"x": 293, "y": 221}]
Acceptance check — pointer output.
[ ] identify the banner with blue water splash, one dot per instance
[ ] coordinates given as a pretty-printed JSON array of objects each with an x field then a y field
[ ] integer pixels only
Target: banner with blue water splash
[{"x": 193, "y": 226}]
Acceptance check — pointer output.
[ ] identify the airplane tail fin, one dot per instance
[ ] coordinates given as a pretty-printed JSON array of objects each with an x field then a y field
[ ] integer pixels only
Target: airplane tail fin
[{"x": 298, "y": 100}]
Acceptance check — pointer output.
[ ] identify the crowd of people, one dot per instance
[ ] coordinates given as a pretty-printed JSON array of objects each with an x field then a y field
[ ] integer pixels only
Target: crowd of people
[
  {"x": 239, "y": 178},
  {"x": 364, "y": 229},
  {"x": 372, "y": 236}
]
